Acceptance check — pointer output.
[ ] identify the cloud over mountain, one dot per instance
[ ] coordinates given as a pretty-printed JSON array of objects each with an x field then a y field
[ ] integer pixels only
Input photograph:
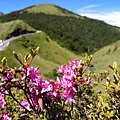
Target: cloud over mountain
[{"x": 92, "y": 11}]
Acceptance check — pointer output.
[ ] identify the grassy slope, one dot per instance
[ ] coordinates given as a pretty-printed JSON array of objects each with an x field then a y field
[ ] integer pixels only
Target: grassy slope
[
  {"x": 50, "y": 55},
  {"x": 49, "y": 9},
  {"x": 9, "y": 27},
  {"x": 106, "y": 56}
]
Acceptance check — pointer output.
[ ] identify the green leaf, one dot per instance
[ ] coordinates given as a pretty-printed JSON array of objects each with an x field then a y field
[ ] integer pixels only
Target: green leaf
[
  {"x": 16, "y": 56},
  {"x": 3, "y": 83},
  {"x": 27, "y": 57},
  {"x": 115, "y": 65},
  {"x": 4, "y": 60},
  {"x": 31, "y": 52},
  {"x": 102, "y": 114},
  {"x": 14, "y": 80},
  {"x": 111, "y": 114},
  {"x": 36, "y": 51}
]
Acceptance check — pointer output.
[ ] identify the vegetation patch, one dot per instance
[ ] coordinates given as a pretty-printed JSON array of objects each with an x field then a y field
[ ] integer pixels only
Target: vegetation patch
[{"x": 14, "y": 28}]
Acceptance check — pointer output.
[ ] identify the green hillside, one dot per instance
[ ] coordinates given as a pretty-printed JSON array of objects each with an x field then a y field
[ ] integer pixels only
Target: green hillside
[
  {"x": 106, "y": 56},
  {"x": 50, "y": 55},
  {"x": 78, "y": 34},
  {"x": 14, "y": 28}
]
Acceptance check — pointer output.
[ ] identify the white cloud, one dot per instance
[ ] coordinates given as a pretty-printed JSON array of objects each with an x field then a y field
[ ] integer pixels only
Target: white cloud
[
  {"x": 112, "y": 17},
  {"x": 86, "y": 8}
]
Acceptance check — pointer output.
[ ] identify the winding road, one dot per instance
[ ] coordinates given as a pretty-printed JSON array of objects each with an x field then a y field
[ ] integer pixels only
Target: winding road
[{"x": 7, "y": 41}]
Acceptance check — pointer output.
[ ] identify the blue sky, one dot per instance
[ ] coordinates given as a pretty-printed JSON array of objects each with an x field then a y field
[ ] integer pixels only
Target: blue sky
[{"x": 105, "y": 10}]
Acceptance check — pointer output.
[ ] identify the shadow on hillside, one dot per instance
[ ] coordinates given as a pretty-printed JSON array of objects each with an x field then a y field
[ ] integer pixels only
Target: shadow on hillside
[{"x": 18, "y": 32}]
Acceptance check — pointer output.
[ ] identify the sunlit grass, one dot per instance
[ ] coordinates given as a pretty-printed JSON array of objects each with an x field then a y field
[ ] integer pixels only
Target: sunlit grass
[
  {"x": 49, "y": 57},
  {"x": 8, "y": 27},
  {"x": 49, "y": 9}
]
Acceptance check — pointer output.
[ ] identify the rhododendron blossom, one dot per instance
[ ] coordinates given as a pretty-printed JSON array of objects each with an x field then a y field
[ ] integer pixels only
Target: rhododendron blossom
[
  {"x": 2, "y": 101},
  {"x": 35, "y": 77},
  {"x": 7, "y": 77},
  {"x": 75, "y": 64},
  {"x": 26, "y": 105},
  {"x": 55, "y": 91},
  {"x": 37, "y": 88},
  {"x": 68, "y": 94},
  {"x": 6, "y": 117},
  {"x": 68, "y": 80},
  {"x": 86, "y": 80}
]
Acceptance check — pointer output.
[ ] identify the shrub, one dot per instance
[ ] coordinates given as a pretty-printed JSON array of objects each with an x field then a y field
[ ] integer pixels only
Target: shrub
[{"x": 25, "y": 94}]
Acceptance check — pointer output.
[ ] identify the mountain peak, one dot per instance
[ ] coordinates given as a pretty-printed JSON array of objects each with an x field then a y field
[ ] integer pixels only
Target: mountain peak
[{"x": 49, "y": 9}]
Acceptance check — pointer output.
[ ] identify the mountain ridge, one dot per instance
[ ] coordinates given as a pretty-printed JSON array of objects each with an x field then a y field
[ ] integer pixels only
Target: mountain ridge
[
  {"x": 49, "y": 9},
  {"x": 78, "y": 34}
]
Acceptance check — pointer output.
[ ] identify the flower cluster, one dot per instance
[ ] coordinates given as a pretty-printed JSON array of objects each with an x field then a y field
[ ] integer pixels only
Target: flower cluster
[
  {"x": 36, "y": 89},
  {"x": 2, "y": 101},
  {"x": 25, "y": 91},
  {"x": 68, "y": 80}
]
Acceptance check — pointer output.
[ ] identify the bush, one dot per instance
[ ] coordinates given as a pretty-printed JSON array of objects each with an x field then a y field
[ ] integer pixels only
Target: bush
[{"x": 25, "y": 94}]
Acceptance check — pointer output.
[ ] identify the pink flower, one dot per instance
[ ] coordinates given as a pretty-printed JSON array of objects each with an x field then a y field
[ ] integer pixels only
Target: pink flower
[
  {"x": 70, "y": 98},
  {"x": 46, "y": 87},
  {"x": 34, "y": 75},
  {"x": 55, "y": 92},
  {"x": 86, "y": 80},
  {"x": 51, "y": 88},
  {"x": 6, "y": 117},
  {"x": 62, "y": 68},
  {"x": 67, "y": 81},
  {"x": 35, "y": 93},
  {"x": 2, "y": 101},
  {"x": 68, "y": 94},
  {"x": 75, "y": 64},
  {"x": 7, "y": 77},
  {"x": 26, "y": 105}
]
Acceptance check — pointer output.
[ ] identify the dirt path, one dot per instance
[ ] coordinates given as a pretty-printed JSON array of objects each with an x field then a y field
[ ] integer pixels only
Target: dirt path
[{"x": 6, "y": 42}]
